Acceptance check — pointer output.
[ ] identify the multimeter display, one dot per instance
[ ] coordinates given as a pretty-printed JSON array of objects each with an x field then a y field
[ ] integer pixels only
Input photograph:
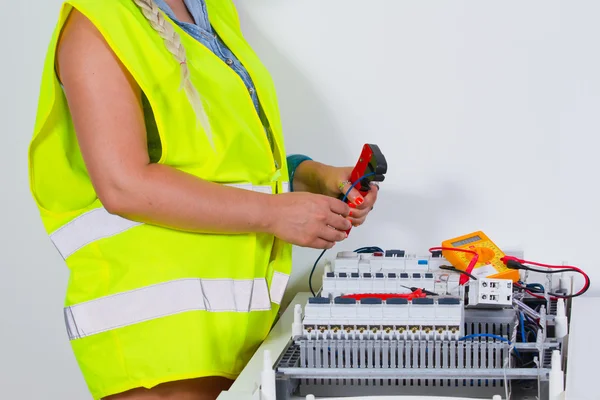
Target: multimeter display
[
  {"x": 489, "y": 256},
  {"x": 466, "y": 241}
]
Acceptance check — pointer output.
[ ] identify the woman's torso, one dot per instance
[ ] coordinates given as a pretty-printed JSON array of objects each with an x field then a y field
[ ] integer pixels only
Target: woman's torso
[{"x": 201, "y": 30}]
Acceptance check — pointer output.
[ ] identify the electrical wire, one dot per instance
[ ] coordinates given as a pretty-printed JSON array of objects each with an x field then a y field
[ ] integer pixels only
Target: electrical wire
[
  {"x": 532, "y": 322},
  {"x": 528, "y": 312},
  {"x": 522, "y": 323},
  {"x": 506, "y": 385},
  {"x": 486, "y": 335},
  {"x": 312, "y": 271},
  {"x": 538, "y": 294},
  {"x": 464, "y": 277},
  {"x": 516, "y": 263},
  {"x": 532, "y": 292},
  {"x": 538, "y": 286},
  {"x": 369, "y": 249},
  {"x": 489, "y": 335},
  {"x": 531, "y": 329},
  {"x": 460, "y": 271},
  {"x": 527, "y": 364}
]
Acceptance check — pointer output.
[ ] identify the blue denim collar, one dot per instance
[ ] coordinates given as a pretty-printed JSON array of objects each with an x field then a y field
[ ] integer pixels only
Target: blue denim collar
[{"x": 197, "y": 9}]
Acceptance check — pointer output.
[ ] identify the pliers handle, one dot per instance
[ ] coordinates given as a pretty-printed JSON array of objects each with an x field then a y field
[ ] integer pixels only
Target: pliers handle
[
  {"x": 372, "y": 163},
  {"x": 371, "y": 167}
]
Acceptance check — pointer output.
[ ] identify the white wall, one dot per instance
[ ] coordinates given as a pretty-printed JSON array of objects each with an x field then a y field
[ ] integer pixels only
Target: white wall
[
  {"x": 487, "y": 113},
  {"x": 35, "y": 356}
]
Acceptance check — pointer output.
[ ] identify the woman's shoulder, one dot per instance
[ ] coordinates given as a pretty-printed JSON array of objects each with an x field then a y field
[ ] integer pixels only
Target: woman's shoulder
[
  {"x": 80, "y": 41},
  {"x": 93, "y": 31},
  {"x": 110, "y": 32},
  {"x": 113, "y": 19}
]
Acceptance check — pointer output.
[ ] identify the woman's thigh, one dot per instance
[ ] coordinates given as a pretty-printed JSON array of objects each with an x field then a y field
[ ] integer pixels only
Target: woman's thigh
[{"x": 207, "y": 388}]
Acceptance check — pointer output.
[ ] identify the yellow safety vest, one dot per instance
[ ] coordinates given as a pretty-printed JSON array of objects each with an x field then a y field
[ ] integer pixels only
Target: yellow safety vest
[{"x": 145, "y": 304}]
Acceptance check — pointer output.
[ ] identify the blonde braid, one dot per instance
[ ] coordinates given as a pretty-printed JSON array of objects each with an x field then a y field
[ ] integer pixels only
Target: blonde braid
[{"x": 173, "y": 44}]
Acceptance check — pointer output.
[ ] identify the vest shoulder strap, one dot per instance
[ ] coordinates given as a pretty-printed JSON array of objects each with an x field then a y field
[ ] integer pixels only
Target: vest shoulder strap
[
  {"x": 119, "y": 21},
  {"x": 226, "y": 10}
]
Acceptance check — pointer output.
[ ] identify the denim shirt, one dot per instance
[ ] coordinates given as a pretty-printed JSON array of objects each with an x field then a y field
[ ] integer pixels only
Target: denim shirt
[{"x": 203, "y": 31}]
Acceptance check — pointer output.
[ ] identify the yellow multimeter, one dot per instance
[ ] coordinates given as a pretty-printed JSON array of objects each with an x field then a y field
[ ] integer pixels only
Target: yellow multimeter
[{"x": 489, "y": 263}]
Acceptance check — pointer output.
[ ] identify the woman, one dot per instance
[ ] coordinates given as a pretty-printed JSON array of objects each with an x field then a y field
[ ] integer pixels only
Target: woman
[{"x": 175, "y": 210}]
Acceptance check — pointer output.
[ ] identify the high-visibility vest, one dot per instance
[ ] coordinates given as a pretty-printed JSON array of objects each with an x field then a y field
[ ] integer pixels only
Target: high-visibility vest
[{"x": 147, "y": 304}]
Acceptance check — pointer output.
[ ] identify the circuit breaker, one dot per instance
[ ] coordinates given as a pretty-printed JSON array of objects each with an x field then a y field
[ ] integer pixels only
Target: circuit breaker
[{"x": 486, "y": 292}]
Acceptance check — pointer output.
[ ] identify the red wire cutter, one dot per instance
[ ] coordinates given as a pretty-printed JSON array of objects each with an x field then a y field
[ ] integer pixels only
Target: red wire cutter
[{"x": 371, "y": 167}]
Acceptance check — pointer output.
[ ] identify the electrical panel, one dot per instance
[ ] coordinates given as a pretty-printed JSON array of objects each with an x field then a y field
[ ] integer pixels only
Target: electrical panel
[{"x": 392, "y": 323}]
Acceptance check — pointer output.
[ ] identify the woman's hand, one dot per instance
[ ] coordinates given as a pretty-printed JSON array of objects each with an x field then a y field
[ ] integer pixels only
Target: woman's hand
[
  {"x": 308, "y": 220},
  {"x": 315, "y": 177},
  {"x": 336, "y": 181}
]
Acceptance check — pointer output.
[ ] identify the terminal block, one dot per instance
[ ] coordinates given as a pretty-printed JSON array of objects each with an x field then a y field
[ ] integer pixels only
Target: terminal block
[
  {"x": 486, "y": 292},
  {"x": 374, "y": 318}
]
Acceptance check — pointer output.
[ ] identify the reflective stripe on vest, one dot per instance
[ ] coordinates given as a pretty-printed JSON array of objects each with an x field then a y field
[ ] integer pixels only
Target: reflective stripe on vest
[
  {"x": 169, "y": 298},
  {"x": 99, "y": 224}
]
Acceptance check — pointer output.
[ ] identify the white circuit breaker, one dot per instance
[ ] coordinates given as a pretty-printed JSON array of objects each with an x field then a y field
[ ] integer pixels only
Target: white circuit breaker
[
  {"x": 486, "y": 292},
  {"x": 389, "y": 272},
  {"x": 343, "y": 318}
]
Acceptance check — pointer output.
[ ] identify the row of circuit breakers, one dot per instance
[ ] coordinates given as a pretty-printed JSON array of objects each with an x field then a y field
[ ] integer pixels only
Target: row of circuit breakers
[{"x": 345, "y": 309}]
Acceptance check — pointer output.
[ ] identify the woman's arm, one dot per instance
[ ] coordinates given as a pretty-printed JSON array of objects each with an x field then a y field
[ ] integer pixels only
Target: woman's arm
[{"x": 105, "y": 105}]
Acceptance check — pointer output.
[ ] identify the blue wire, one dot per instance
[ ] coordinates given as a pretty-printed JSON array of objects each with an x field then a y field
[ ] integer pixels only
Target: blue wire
[
  {"x": 312, "y": 271},
  {"x": 517, "y": 352},
  {"x": 487, "y": 335},
  {"x": 537, "y": 286},
  {"x": 530, "y": 329},
  {"x": 522, "y": 323},
  {"x": 356, "y": 183}
]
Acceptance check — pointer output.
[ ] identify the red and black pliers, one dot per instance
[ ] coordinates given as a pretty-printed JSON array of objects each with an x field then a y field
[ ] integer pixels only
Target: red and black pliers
[{"x": 371, "y": 167}]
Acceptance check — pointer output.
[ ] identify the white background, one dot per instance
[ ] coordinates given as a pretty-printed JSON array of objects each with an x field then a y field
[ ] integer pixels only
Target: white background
[{"x": 487, "y": 112}]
